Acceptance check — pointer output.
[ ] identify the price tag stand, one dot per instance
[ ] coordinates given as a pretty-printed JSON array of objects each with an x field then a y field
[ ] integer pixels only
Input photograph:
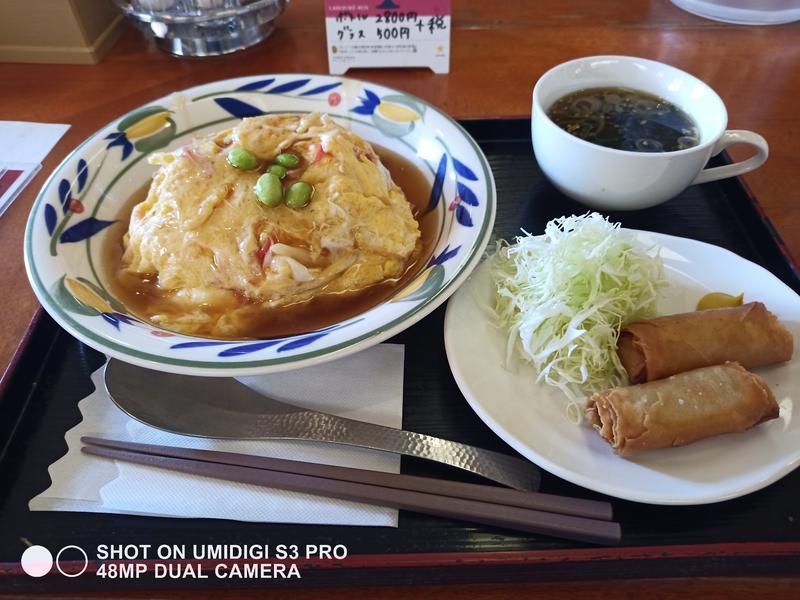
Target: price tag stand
[{"x": 388, "y": 33}]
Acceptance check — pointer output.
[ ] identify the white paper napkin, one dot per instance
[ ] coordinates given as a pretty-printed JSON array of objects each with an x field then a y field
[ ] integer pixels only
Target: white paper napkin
[
  {"x": 367, "y": 386},
  {"x": 23, "y": 147},
  {"x": 25, "y": 142}
]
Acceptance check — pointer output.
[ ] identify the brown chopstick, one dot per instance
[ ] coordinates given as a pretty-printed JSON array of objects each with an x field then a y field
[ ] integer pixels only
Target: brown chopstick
[
  {"x": 511, "y": 517},
  {"x": 577, "y": 507}
]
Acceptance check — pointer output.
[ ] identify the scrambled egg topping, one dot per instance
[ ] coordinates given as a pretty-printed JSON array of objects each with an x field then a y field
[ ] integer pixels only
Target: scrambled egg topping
[{"x": 217, "y": 252}]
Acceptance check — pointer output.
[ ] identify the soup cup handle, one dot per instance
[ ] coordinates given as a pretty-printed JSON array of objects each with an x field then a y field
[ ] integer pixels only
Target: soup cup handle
[{"x": 735, "y": 136}]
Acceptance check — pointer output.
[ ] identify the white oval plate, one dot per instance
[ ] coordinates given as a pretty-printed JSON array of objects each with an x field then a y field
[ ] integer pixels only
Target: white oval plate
[{"x": 532, "y": 419}]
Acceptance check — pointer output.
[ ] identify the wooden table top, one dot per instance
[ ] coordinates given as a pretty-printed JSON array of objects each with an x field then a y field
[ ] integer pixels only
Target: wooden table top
[{"x": 499, "y": 49}]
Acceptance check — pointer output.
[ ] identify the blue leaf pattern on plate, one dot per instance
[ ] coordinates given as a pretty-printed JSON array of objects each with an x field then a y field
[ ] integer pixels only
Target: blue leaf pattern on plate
[
  {"x": 288, "y": 87},
  {"x": 464, "y": 170},
  {"x": 120, "y": 139},
  {"x": 50, "y": 218},
  {"x": 125, "y": 318},
  {"x": 438, "y": 184},
  {"x": 84, "y": 229},
  {"x": 299, "y": 343},
  {"x": 115, "y": 318},
  {"x": 64, "y": 194},
  {"x": 321, "y": 89},
  {"x": 368, "y": 104},
  {"x": 111, "y": 318},
  {"x": 462, "y": 216},
  {"x": 248, "y": 348},
  {"x": 444, "y": 256},
  {"x": 467, "y": 195},
  {"x": 183, "y": 345},
  {"x": 238, "y": 108},
  {"x": 83, "y": 173},
  {"x": 255, "y": 85},
  {"x": 287, "y": 343}
]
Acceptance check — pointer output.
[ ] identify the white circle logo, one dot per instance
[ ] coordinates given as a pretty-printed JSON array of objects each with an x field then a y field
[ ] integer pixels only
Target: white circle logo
[
  {"x": 36, "y": 561},
  {"x": 85, "y": 561}
]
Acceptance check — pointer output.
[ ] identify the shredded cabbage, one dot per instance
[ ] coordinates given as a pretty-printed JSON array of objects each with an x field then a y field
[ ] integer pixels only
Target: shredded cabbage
[{"x": 563, "y": 297}]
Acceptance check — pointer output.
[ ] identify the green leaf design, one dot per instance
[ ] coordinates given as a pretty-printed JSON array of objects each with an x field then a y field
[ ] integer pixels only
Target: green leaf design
[
  {"x": 431, "y": 285},
  {"x": 158, "y": 140},
  {"x": 115, "y": 304},
  {"x": 68, "y": 301},
  {"x": 137, "y": 116},
  {"x": 390, "y": 128}
]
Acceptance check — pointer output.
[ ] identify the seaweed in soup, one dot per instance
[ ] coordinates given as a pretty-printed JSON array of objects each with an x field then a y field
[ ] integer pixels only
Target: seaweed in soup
[{"x": 625, "y": 119}]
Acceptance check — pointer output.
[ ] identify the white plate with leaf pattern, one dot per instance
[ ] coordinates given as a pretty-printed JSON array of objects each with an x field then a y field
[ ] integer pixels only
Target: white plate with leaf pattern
[{"x": 85, "y": 194}]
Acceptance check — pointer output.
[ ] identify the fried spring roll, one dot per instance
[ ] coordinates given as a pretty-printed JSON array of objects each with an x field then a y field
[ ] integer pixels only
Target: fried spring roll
[
  {"x": 747, "y": 334},
  {"x": 681, "y": 409}
]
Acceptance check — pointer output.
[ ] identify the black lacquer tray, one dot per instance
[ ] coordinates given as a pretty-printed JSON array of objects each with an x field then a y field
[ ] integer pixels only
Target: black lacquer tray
[{"x": 757, "y": 535}]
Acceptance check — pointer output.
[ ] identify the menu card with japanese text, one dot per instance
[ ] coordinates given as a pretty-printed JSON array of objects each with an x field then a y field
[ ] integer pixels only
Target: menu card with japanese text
[{"x": 388, "y": 33}]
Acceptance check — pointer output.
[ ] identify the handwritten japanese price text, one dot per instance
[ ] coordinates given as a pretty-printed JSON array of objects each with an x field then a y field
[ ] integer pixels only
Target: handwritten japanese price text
[
  {"x": 349, "y": 25},
  {"x": 388, "y": 33}
]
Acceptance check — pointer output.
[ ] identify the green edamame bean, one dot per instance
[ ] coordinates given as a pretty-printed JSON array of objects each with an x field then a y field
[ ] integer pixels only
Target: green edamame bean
[
  {"x": 299, "y": 194},
  {"x": 277, "y": 170},
  {"x": 288, "y": 160},
  {"x": 269, "y": 190},
  {"x": 242, "y": 159}
]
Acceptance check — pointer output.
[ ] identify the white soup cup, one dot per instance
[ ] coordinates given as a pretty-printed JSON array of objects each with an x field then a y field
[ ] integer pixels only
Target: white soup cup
[{"x": 607, "y": 178}]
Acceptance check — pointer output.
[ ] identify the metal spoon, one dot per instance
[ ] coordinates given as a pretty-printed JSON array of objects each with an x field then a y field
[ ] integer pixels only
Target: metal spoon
[{"x": 226, "y": 409}]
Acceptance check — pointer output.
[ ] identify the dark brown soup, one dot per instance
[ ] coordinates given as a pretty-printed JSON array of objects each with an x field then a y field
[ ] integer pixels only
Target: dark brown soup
[
  {"x": 625, "y": 119},
  {"x": 143, "y": 296}
]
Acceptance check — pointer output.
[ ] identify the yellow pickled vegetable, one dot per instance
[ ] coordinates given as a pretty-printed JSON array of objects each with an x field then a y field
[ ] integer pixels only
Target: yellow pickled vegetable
[{"x": 719, "y": 300}]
